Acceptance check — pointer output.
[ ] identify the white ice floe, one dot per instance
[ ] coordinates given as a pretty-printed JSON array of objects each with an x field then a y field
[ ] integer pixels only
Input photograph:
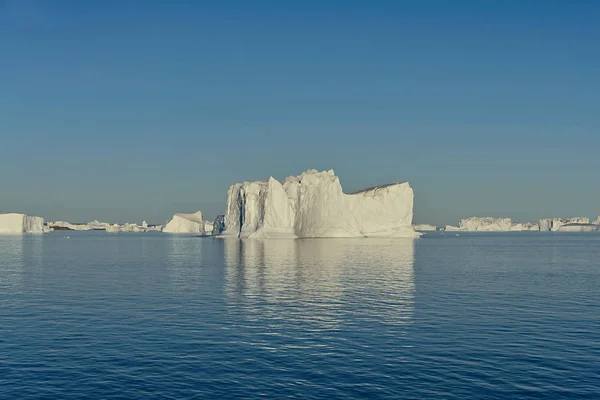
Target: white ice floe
[
  {"x": 314, "y": 205},
  {"x": 16, "y": 223},
  {"x": 186, "y": 223}
]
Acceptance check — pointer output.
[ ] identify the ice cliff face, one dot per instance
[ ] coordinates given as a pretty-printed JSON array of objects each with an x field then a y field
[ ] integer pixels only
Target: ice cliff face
[
  {"x": 185, "y": 223},
  {"x": 314, "y": 205},
  {"x": 15, "y": 223}
]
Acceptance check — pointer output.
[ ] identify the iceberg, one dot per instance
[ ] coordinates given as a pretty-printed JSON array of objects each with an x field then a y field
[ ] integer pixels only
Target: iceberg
[
  {"x": 558, "y": 222},
  {"x": 313, "y": 205},
  {"x": 577, "y": 227},
  {"x": 127, "y": 227},
  {"x": 424, "y": 227},
  {"x": 555, "y": 224},
  {"x": 218, "y": 225},
  {"x": 489, "y": 224},
  {"x": 524, "y": 226},
  {"x": 15, "y": 223},
  {"x": 185, "y": 223},
  {"x": 545, "y": 225},
  {"x": 486, "y": 224},
  {"x": 90, "y": 226},
  {"x": 452, "y": 228}
]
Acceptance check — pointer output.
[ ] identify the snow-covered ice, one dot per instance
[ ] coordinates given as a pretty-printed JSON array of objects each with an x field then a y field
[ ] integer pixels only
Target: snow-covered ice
[
  {"x": 185, "y": 223},
  {"x": 16, "y": 223},
  {"x": 314, "y": 205}
]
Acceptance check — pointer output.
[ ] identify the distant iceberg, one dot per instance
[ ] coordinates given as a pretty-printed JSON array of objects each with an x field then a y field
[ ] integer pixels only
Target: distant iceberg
[
  {"x": 489, "y": 224},
  {"x": 90, "y": 226},
  {"x": 313, "y": 205},
  {"x": 186, "y": 223},
  {"x": 424, "y": 227},
  {"x": 524, "y": 226},
  {"x": 576, "y": 227},
  {"x": 554, "y": 224},
  {"x": 15, "y": 223}
]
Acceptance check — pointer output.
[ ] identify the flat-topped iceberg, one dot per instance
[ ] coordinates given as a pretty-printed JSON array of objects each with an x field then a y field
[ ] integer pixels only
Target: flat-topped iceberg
[
  {"x": 186, "y": 223},
  {"x": 313, "y": 205},
  {"x": 16, "y": 223}
]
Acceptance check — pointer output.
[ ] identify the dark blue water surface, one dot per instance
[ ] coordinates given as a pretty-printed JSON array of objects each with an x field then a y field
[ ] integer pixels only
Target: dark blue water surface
[{"x": 151, "y": 316}]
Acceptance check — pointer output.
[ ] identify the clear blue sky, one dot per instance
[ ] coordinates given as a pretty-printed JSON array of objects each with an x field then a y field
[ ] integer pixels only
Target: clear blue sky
[{"x": 128, "y": 110}]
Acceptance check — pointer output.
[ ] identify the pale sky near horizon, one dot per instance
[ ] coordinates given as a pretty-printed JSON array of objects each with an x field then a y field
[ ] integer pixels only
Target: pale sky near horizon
[{"x": 130, "y": 110}]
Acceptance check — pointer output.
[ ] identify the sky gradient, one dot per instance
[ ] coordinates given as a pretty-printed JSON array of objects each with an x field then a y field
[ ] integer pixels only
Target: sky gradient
[{"x": 130, "y": 110}]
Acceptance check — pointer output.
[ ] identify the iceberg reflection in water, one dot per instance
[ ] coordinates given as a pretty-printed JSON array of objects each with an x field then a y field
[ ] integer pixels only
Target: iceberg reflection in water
[{"x": 325, "y": 282}]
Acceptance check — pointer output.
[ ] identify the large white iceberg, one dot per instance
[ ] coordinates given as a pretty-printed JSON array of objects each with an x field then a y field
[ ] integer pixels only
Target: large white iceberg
[
  {"x": 313, "y": 205},
  {"x": 15, "y": 223},
  {"x": 186, "y": 223}
]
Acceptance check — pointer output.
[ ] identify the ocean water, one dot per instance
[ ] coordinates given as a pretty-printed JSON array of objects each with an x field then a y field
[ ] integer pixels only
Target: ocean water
[{"x": 150, "y": 316}]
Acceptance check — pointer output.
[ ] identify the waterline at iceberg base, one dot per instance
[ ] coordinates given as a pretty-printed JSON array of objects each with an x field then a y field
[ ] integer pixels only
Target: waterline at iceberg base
[{"x": 313, "y": 205}]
